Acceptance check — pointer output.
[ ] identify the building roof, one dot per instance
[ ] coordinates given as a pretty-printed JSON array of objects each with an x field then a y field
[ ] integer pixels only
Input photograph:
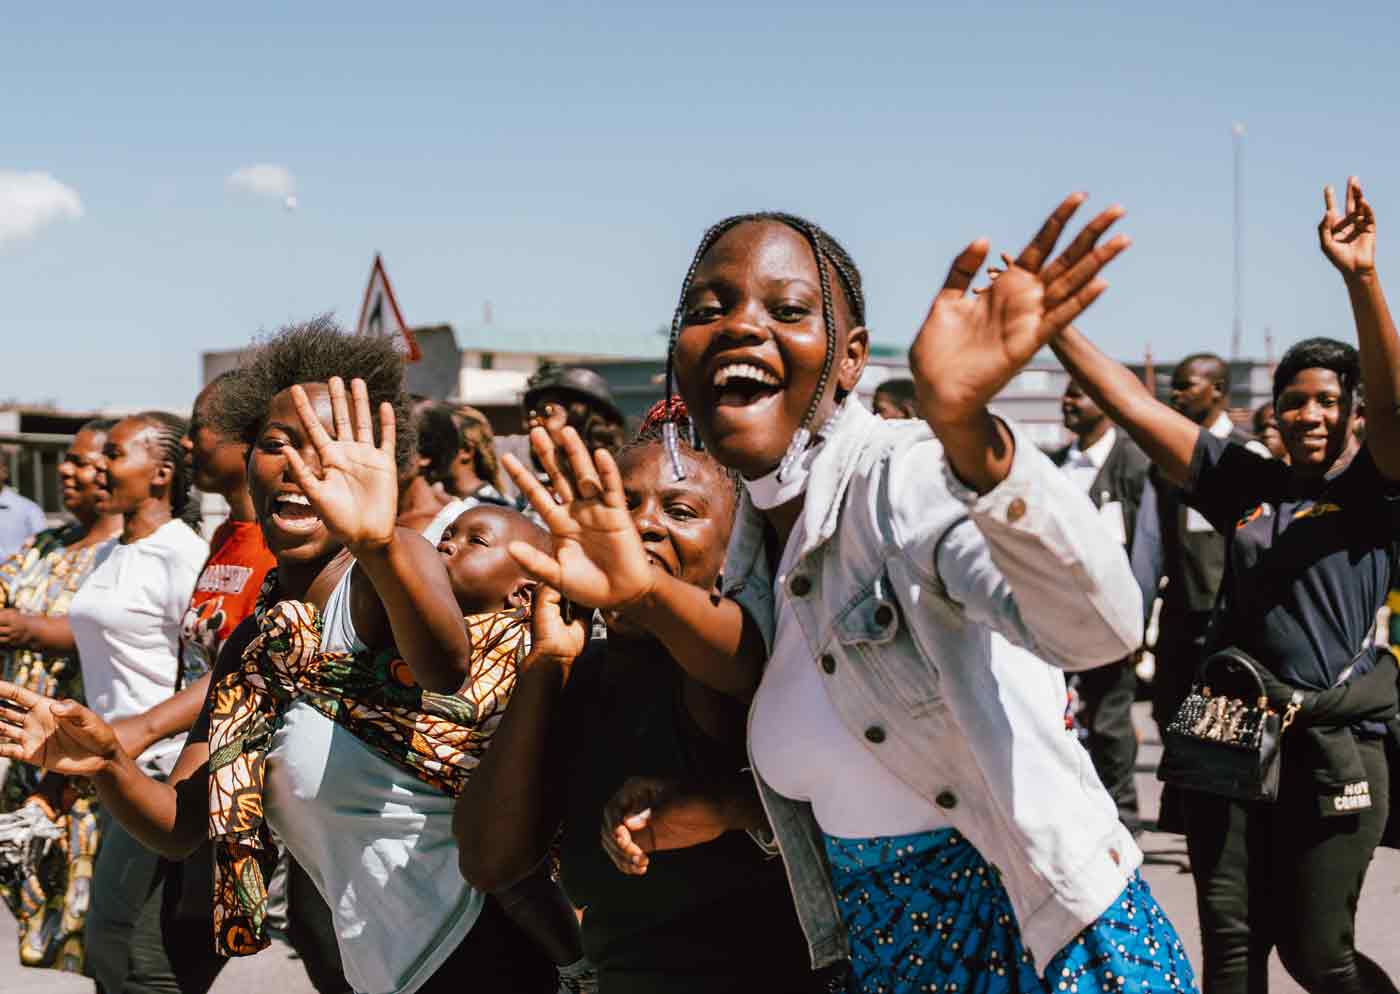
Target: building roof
[{"x": 627, "y": 344}]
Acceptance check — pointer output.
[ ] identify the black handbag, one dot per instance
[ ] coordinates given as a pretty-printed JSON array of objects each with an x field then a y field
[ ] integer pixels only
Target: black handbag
[{"x": 1225, "y": 739}]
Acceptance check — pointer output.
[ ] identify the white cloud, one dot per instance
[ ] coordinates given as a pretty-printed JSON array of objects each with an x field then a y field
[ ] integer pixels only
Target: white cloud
[
  {"x": 29, "y": 201},
  {"x": 264, "y": 180}
]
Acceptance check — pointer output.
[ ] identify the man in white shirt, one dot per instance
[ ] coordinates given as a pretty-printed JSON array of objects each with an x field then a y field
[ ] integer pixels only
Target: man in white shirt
[
  {"x": 20, "y": 517},
  {"x": 1108, "y": 466}
]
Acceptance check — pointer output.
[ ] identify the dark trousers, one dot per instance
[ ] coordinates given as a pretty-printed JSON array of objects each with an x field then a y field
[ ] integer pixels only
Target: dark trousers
[
  {"x": 135, "y": 944},
  {"x": 1181, "y": 641},
  {"x": 1107, "y": 694},
  {"x": 496, "y": 957},
  {"x": 1282, "y": 875}
]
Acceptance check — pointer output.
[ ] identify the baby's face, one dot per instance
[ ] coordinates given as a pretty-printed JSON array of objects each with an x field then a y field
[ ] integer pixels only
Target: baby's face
[{"x": 484, "y": 576}]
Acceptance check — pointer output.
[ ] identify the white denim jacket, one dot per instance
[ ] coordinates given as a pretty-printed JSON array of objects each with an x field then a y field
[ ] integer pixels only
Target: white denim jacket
[{"x": 932, "y": 614}]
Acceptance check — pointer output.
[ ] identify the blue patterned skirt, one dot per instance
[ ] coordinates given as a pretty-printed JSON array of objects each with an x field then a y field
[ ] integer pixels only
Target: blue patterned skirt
[{"x": 927, "y": 913}]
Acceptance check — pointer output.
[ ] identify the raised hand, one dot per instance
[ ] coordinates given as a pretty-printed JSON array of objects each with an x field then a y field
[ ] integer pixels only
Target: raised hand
[
  {"x": 598, "y": 560},
  {"x": 970, "y": 346},
  {"x": 648, "y": 814},
  {"x": 357, "y": 489},
  {"x": 1350, "y": 241},
  {"x": 60, "y": 736},
  {"x": 552, "y": 635}
]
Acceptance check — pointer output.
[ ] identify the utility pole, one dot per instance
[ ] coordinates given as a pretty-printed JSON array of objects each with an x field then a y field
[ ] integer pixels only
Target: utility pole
[{"x": 1237, "y": 331}]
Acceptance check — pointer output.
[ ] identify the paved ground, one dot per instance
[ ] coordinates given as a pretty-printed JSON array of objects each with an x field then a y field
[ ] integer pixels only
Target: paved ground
[{"x": 274, "y": 971}]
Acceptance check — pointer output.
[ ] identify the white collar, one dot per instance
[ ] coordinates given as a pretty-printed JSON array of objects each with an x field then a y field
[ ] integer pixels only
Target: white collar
[
  {"x": 1097, "y": 454},
  {"x": 1221, "y": 426},
  {"x": 767, "y": 493}
]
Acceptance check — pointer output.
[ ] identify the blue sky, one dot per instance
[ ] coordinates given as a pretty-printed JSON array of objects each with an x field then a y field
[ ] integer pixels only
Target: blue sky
[{"x": 560, "y": 161}]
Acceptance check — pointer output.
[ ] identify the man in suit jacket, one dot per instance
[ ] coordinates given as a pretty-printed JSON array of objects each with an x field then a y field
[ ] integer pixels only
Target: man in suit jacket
[{"x": 1112, "y": 470}]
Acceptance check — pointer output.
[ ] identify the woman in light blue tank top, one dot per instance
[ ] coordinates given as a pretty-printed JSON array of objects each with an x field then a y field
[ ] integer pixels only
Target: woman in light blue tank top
[{"x": 374, "y": 837}]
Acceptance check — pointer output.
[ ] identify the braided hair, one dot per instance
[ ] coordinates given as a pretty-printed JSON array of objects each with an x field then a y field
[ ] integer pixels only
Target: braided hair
[
  {"x": 169, "y": 429},
  {"x": 670, "y": 413},
  {"x": 827, "y": 251}
]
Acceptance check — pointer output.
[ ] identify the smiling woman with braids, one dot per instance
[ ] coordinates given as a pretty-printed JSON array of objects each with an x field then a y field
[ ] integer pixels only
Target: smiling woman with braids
[
  {"x": 902, "y": 596},
  {"x": 334, "y": 711}
]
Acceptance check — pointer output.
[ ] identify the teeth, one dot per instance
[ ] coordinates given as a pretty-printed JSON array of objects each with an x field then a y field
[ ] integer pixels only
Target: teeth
[
  {"x": 294, "y": 499},
  {"x": 744, "y": 371}
]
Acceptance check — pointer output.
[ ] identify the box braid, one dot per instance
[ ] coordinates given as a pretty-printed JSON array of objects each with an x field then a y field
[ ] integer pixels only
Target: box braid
[
  {"x": 825, "y": 249},
  {"x": 670, "y": 413},
  {"x": 169, "y": 429}
]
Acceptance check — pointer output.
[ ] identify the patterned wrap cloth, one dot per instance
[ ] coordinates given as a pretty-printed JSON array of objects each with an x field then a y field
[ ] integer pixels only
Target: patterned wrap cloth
[
  {"x": 926, "y": 912},
  {"x": 439, "y": 738},
  {"x": 49, "y": 892}
]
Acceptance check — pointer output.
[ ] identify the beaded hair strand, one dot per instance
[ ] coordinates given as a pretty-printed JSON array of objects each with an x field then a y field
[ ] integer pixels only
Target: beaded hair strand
[{"x": 824, "y": 249}]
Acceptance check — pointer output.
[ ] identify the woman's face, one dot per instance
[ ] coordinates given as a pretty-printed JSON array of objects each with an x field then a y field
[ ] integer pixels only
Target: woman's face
[
  {"x": 292, "y": 530},
  {"x": 1314, "y": 419},
  {"x": 752, "y": 344},
  {"x": 684, "y": 524},
  {"x": 78, "y": 473},
  {"x": 132, "y": 467},
  {"x": 217, "y": 461}
]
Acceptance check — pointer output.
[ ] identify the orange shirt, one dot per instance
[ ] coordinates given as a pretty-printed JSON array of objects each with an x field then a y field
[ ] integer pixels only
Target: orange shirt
[{"x": 225, "y": 594}]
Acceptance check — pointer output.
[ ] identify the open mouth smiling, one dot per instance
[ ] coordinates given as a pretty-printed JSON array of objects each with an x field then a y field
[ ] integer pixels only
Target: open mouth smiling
[
  {"x": 740, "y": 383},
  {"x": 291, "y": 512}
]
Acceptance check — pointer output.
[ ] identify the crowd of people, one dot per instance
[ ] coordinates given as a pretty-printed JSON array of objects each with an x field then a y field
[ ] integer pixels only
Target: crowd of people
[{"x": 769, "y": 695}]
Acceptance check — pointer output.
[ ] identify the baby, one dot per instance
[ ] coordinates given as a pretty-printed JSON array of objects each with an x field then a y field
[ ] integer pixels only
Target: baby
[{"x": 495, "y": 597}]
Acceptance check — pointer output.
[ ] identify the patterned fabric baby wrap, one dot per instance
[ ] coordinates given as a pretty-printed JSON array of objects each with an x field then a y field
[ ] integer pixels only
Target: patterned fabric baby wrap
[
  {"x": 47, "y": 890},
  {"x": 926, "y": 912},
  {"x": 439, "y": 738}
]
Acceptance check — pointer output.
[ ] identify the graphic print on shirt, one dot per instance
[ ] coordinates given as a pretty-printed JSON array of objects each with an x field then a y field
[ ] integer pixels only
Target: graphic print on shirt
[{"x": 224, "y": 595}]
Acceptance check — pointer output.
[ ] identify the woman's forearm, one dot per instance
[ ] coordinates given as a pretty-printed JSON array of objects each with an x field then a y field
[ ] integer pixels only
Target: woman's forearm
[
  {"x": 46, "y": 634},
  {"x": 1168, "y": 438},
  {"x": 1380, "y": 369},
  {"x": 710, "y": 637},
  {"x": 980, "y": 451},
  {"x": 412, "y": 585},
  {"x": 502, "y": 820},
  {"x": 153, "y": 811}
]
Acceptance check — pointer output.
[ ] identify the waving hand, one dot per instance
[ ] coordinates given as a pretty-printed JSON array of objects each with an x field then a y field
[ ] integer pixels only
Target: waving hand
[
  {"x": 970, "y": 346},
  {"x": 1350, "y": 241},
  {"x": 356, "y": 490},
  {"x": 598, "y": 560},
  {"x": 60, "y": 736}
]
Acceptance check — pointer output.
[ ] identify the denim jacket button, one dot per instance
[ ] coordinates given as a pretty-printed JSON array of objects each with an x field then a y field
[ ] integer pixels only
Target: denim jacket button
[
  {"x": 946, "y": 800},
  {"x": 875, "y": 734},
  {"x": 829, "y": 662},
  {"x": 884, "y": 614},
  {"x": 1016, "y": 510},
  {"x": 800, "y": 586}
]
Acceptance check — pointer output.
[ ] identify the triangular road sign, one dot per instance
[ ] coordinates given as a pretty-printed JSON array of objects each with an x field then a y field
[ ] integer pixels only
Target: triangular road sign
[{"x": 380, "y": 314}]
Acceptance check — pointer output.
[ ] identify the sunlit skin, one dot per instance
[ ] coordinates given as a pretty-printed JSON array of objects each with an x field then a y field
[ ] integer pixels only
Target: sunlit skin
[
  {"x": 78, "y": 475},
  {"x": 474, "y": 548},
  {"x": 1196, "y": 391},
  {"x": 1315, "y": 422},
  {"x": 684, "y": 524},
  {"x": 133, "y": 473},
  {"x": 1085, "y": 419},
  {"x": 294, "y": 536},
  {"x": 756, "y": 299}
]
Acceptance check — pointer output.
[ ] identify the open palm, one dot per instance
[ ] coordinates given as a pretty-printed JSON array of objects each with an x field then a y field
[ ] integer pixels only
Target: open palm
[
  {"x": 597, "y": 557},
  {"x": 60, "y": 736},
  {"x": 970, "y": 346},
  {"x": 1350, "y": 241},
  {"x": 356, "y": 491}
]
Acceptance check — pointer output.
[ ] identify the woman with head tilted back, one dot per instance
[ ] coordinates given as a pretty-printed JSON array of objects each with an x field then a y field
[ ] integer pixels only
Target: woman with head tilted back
[
  {"x": 916, "y": 588},
  {"x": 1312, "y": 547},
  {"x": 334, "y": 710},
  {"x": 37, "y": 586},
  {"x": 711, "y": 914}
]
